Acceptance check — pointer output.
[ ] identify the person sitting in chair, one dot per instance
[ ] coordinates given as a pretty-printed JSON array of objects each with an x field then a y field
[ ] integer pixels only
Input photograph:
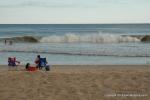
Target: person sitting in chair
[
  {"x": 12, "y": 61},
  {"x": 42, "y": 62}
]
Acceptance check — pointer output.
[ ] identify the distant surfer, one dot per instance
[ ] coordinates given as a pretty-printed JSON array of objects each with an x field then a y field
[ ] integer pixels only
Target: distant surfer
[{"x": 5, "y": 42}]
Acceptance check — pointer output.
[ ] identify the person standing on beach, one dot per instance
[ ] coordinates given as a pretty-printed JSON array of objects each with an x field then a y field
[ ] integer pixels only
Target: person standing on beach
[{"x": 5, "y": 42}]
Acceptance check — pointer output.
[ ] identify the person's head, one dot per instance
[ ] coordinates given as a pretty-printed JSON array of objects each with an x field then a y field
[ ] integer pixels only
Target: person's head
[{"x": 38, "y": 56}]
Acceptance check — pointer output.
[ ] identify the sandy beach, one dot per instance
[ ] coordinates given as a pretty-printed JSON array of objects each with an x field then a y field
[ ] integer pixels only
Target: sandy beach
[{"x": 77, "y": 82}]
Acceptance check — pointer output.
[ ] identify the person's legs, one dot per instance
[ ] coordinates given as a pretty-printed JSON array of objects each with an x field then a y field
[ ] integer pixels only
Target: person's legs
[{"x": 40, "y": 67}]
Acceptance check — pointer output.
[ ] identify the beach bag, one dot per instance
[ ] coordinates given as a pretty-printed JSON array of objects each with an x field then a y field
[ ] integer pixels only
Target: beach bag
[
  {"x": 47, "y": 68},
  {"x": 30, "y": 68}
]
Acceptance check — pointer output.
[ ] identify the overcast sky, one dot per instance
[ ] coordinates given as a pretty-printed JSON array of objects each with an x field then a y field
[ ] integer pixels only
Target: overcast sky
[{"x": 74, "y": 11}]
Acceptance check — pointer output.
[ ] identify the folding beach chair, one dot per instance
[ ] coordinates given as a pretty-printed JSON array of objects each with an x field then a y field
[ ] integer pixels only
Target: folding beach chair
[
  {"x": 43, "y": 63},
  {"x": 12, "y": 62}
]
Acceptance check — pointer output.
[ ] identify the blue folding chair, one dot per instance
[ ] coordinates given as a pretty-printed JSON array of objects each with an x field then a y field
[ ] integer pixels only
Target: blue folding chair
[{"x": 43, "y": 63}]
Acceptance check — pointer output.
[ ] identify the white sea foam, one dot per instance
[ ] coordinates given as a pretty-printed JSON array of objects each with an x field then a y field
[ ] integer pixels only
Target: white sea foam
[{"x": 89, "y": 38}]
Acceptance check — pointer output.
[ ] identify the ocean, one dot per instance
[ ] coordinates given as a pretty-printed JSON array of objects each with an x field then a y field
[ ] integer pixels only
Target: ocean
[{"x": 106, "y": 44}]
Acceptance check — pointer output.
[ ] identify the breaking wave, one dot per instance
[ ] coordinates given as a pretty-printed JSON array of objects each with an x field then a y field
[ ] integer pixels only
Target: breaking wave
[
  {"x": 93, "y": 38},
  {"x": 86, "y": 38},
  {"x": 30, "y": 39}
]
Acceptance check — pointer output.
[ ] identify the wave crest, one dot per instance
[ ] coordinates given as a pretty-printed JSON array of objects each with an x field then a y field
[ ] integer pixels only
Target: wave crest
[
  {"x": 89, "y": 38},
  {"x": 29, "y": 39},
  {"x": 145, "y": 38}
]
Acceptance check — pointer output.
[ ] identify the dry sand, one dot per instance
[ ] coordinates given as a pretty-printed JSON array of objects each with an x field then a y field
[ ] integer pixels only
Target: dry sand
[{"x": 76, "y": 82}]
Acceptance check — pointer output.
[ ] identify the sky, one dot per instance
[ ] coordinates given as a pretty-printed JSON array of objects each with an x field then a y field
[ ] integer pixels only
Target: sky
[{"x": 74, "y": 11}]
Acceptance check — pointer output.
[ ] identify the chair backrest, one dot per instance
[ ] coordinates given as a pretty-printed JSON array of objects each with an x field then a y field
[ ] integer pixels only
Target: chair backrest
[
  {"x": 43, "y": 62},
  {"x": 12, "y": 61}
]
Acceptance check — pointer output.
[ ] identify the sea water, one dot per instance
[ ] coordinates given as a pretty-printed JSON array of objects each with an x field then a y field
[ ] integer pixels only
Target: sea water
[{"x": 76, "y": 43}]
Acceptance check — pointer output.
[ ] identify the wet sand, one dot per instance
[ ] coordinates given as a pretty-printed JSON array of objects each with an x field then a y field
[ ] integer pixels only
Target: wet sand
[{"x": 77, "y": 82}]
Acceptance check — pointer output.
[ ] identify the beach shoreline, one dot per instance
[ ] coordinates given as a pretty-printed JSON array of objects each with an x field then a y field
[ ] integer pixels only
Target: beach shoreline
[{"x": 88, "y": 67}]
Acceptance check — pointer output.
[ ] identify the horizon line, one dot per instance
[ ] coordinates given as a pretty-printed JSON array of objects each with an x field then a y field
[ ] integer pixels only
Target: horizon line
[{"x": 71, "y": 23}]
